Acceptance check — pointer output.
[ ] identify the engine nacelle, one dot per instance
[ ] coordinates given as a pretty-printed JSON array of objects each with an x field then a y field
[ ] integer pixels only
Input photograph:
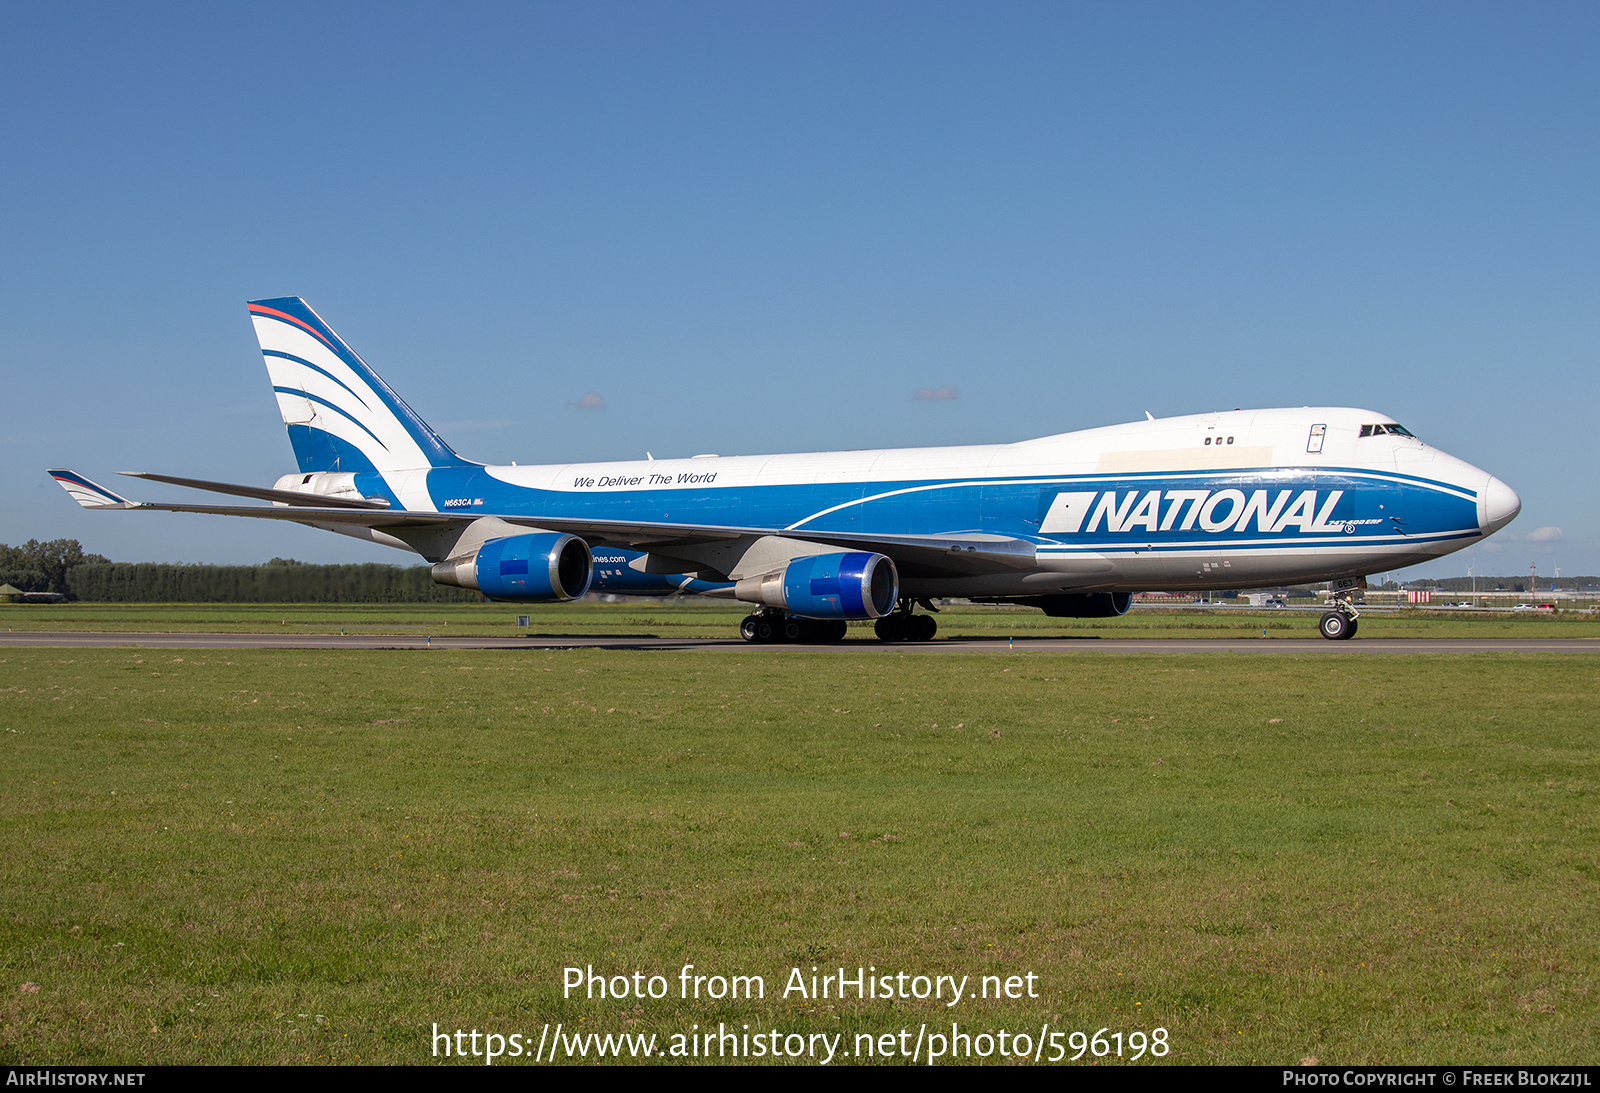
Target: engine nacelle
[
  {"x": 341, "y": 485},
  {"x": 544, "y": 567},
  {"x": 854, "y": 585},
  {"x": 1083, "y": 605}
]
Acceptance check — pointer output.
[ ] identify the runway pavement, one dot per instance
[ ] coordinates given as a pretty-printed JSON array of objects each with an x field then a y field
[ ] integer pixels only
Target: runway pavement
[{"x": 80, "y": 640}]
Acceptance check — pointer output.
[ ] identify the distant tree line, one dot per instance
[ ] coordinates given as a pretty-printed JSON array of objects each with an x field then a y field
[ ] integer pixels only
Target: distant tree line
[
  {"x": 61, "y": 566},
  {"x": 44, "y": 567}
]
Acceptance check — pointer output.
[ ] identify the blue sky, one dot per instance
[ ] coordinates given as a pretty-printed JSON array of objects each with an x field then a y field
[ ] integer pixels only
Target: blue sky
[{"x": 753, "y": 228}]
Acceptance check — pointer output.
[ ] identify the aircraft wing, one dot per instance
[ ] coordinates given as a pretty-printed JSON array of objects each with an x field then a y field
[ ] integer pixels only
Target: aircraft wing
[
  {"x": 324, "y": 511},
  {"x": 957, "y": 553},
  {"x": 288, "y": 497},
  {"x": 937, "y": 555}
]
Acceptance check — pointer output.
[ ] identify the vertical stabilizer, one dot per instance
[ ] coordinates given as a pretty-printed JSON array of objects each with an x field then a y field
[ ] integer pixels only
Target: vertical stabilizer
[{"x": 340, "y": 415}]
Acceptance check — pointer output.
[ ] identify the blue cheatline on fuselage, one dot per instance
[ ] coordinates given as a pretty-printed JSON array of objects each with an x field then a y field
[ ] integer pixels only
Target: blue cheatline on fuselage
[{"x": 1232, "y": 510}]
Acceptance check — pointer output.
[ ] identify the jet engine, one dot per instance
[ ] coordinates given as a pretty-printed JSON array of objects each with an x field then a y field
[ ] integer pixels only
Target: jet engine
[
  {"x": 854, "y": 585},
  {"x": 544, "y": 567},
  {"x": 340, "y": 485}
]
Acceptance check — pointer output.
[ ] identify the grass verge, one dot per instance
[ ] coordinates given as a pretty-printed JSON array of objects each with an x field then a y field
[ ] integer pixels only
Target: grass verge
[
  {"x": 708, "y": 618},
  {"x": 297, "y": 856}
]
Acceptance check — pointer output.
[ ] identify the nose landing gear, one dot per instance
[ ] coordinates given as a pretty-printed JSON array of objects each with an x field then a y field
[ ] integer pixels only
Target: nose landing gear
[
  {"x": 1339, "y": 623},
  {"x": 1337, "y": 626}
]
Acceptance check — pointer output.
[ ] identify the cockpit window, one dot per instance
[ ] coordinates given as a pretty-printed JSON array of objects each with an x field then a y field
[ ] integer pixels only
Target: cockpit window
[{"x": 1389, "y": 429}]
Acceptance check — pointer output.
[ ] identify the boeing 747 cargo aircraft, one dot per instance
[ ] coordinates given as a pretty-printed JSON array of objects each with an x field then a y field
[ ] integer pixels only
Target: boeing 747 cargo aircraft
[{"x": 1072, "y": 524}]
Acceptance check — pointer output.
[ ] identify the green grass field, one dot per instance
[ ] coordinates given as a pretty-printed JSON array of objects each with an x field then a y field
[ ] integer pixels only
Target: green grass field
[
  {"x": 707, "y": 618},
  {"x": 264, "y": 856}
]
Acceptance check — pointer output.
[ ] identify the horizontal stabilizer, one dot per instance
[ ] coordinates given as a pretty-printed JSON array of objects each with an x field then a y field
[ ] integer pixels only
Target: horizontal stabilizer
[{"x": 87, "y": 493}]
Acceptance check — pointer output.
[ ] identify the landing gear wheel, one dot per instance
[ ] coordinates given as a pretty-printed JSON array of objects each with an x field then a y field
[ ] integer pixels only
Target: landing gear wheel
[
  {"x": 1354, "y": 625},
  {"x": 1337, "y": 626},
  {"x": 904, "y": 626},
  {"x": 764, "y": 628}
]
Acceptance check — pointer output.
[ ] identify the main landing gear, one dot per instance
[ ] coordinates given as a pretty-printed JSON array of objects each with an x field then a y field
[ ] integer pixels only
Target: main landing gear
[
  {"x": 1339, "y": 623},
  {"x": 767, "y": 627},
  {"x": 770, "y": 626},
  {"x": 902, "y": 625}
]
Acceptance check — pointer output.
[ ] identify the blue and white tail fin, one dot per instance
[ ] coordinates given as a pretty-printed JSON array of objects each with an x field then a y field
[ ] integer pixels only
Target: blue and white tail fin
[{"x": 341, "y": 416}]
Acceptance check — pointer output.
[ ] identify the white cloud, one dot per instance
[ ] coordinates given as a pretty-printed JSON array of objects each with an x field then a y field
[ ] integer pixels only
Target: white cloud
[
  {"x": 1545, "y": 535},
  {"x": 591, "y": 400},
  {"x": 934, "y": 394}
]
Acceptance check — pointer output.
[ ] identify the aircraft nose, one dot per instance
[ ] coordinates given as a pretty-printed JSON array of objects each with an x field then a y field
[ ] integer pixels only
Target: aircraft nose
[{"x": 1499, "y": 506}]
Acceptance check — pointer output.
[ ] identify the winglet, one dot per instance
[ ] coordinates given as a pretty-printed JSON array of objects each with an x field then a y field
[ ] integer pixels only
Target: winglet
[{"x": 88, "y": 494}]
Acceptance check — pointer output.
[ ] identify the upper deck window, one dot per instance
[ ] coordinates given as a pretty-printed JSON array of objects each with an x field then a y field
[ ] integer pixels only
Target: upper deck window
[{"x": 1390, "y": 429}]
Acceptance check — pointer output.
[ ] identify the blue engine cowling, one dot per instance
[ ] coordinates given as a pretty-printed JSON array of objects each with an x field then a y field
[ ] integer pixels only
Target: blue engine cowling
[
  {"x": 854, "y": 585},
  {"x": 545, "y": 567}
]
